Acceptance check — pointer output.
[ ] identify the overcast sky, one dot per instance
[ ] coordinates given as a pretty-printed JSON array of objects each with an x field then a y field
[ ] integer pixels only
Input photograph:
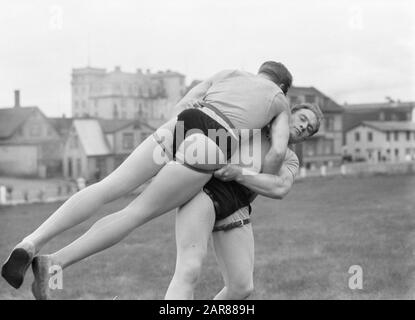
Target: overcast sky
[{"x": 354, "y": 51}]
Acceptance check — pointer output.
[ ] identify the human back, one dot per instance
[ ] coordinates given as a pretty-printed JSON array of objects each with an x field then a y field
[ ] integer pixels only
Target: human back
[{"x": 248, "y": 100}]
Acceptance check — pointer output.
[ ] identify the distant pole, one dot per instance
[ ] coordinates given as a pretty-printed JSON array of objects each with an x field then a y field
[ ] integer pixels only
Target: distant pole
[
  {"x": 303, "y": 172},
  {"x": 3, "y": 193},
  {"x": 323, "y": 170}
]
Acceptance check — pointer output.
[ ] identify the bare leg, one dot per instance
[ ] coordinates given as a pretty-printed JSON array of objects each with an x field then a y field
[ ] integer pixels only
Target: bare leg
[
  {"x": 134, "y": 171},
  {"x": 173, "y": 186},
  {"x": 194, "y": 224},
  {"x": 159, "y": 197},
  {"x": 234, "y": 251}
]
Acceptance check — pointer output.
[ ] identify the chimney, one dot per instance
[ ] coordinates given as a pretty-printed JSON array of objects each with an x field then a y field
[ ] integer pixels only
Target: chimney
[
  {"x": 17, "y": 98},
  {"x": 118, "y": 68}
]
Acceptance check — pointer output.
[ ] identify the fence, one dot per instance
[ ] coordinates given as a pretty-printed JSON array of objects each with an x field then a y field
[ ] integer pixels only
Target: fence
[{"x": 350, "y": 169}]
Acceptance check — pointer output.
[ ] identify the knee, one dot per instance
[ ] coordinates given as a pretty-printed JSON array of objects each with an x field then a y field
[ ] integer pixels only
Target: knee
[
  {"x": 189, "y": 270},
  {"x": 240, "y": 290}
]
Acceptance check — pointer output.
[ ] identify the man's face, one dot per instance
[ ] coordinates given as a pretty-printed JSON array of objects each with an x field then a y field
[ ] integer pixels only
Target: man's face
[{"x": 302, "y": 124}]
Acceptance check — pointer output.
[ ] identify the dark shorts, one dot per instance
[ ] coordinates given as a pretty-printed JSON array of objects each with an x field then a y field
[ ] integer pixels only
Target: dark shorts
[
  {"x": 195, "y": 119},
  {"x": 227, "y": 197}
]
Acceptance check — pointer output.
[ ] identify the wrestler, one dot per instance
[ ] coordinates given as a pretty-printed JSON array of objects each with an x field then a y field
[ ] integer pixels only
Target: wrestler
[
  {"x": 232, "y": 101},
  {"x": 225, "y": 207}
]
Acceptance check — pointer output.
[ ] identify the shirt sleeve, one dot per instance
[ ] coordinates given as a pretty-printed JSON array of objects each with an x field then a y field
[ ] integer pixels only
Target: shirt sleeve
[{"x": 291, "y": 162}]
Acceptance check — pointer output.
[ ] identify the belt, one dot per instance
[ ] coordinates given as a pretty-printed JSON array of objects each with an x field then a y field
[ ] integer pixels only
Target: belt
[
  {"x": 232, "y": 225},
  {"x": 218, "y": 116}
]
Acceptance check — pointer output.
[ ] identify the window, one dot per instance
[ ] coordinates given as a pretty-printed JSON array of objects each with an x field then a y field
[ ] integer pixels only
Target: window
[
  {"x": 294, "y": 100},
  {"x": 357, "y": 136},
  {"x": 115, "y": 111},
  {"x": 388, "y": 136},
  {"x": 370, "y": 136},
  {"x": 49, "y": 131},
  {"x": 329, "y": 123},
  {"x": 79, "y": 167},
  {"x": 74, "y": 142},
  {"x": 357, "y": 151},
  {"x": 396, "y": 135},
  {"x": 144, "y": 135},
  {"x": 382, "y": 116},
  {"x": 328, "y": 147},
  {"x": 35, "y": 130},
  {"x": 408, "y": 135},
  {"x": 128, "y": 140},
  {"x": 309, "y": 98},
  {"x": 396, "y": 152}
]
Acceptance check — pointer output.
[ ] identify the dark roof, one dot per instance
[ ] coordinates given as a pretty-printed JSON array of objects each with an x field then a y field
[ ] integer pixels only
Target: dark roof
[
  {"x": 390, "y": 125},
  {"x": 329, "y": 105},
  {"x": 12, "y": 118},
  {"x": 110, "y": 125},
  {"x": 62, "y": 125},
  {"x": 166, "y": 74}
]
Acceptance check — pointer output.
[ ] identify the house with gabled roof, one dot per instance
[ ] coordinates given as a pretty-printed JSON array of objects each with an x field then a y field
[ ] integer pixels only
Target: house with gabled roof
[
  {"x": 29, "y": 143},
  {"x": 377, "y": 141},
  {"x": 95, "y": 147},
  {"x": 325, "y": 147}
]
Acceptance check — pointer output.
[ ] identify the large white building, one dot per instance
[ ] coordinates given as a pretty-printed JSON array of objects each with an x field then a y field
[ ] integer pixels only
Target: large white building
[
  {"x": 124, "y": 95},
  {"x": 376, "y": 141}
]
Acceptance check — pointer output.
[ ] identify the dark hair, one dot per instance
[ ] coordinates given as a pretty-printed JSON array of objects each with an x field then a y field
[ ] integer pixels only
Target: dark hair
[
  {"x": 312, "y": 107},
  {"x": 278, "y": 74}
]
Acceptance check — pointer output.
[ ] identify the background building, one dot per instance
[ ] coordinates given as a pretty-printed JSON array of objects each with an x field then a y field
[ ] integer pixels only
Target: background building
[
  {"x": 95, "y": 147},
  {"x": 123, "y": 95},
  {"x": 376, "y": 141},
  {"x": 29, "y": 144},
  {"x": 325, "y": 147},
  {"x": 392, "y": 110}
]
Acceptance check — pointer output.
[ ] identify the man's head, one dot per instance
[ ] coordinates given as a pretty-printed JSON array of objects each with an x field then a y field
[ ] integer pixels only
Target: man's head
[
  {"x": 305, "y": 121},
  {"x": 277, "y": 73}
]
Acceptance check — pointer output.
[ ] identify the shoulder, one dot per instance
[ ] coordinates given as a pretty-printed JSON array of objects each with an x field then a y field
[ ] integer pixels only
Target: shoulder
[
  {"x": 280, "y": 101},
  {"x": 224, "y": 74}
]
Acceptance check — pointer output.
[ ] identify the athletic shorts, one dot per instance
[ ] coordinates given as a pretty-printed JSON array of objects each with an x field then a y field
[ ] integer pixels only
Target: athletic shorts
[
  {"x": 220, "y": 129},
  {"x": 227, "y": 197}
]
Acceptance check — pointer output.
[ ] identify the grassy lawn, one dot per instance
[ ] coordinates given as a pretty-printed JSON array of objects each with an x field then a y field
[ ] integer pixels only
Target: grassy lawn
[{"x": 305, "y": 245}]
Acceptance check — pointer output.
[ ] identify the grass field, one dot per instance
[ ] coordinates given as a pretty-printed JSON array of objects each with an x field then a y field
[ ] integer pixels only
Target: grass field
[{"x": 305, "y": 245}]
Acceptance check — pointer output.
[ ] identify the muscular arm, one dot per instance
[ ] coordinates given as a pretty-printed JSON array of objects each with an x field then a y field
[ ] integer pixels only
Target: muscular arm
[
  {"x": 279, "y": 142},
  {"x": 266, "y": 184},
  {"x": 269, "y": 185}
]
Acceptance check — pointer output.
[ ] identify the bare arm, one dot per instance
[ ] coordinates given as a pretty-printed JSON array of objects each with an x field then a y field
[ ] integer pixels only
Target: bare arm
[
  {"x": 279, "y": 143},
  {"x": 269, "y": 185}
]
